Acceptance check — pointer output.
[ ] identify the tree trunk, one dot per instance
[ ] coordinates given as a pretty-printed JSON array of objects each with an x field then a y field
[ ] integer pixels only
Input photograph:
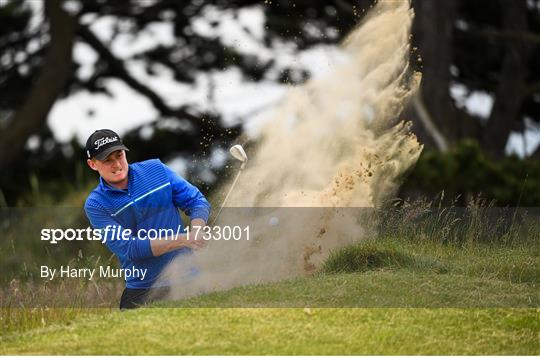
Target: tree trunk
[
  {"x": 510, "y": 92},
  {"x": 433, "y": 33},
  {"x": 48, "y": 86}
]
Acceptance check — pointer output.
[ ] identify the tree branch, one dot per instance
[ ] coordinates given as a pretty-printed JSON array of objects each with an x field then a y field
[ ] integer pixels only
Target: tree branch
[
  {"x": 208, "y": 125},
  {"x": 119, "y": 70}
]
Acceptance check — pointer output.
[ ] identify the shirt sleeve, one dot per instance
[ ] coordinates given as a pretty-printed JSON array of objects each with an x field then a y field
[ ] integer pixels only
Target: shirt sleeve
[
  {"x": 115, "y": 236},
  {"x": 188, "y": 197}
]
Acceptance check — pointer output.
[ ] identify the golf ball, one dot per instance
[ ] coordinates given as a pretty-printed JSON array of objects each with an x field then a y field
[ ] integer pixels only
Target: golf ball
[{"x": 273, "y": 221}]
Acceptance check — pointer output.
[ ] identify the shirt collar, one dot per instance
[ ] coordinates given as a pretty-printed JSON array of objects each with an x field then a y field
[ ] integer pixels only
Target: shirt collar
[{"x": 104, "y": 186}]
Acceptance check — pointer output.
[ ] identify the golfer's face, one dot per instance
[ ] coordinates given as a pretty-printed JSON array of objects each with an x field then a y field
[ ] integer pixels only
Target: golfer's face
[{"x": 114, "y": 168}]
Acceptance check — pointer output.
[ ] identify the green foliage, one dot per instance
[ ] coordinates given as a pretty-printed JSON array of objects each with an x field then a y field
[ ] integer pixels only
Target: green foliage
[{"x": 466, "y": 171}]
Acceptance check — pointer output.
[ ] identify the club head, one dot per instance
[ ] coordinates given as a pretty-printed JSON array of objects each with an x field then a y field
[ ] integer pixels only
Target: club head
[{"x": 237, "y": 151}]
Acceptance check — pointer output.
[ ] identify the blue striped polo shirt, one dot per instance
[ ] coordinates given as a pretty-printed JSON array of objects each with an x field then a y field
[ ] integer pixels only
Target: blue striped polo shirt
[{"x": 150, "y": 203}]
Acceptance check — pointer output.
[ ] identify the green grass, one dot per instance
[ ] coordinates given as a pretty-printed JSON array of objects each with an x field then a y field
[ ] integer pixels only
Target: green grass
[
  {"x": 516, "y": 263},
  {"x": 290, "y": 331},
  {"x": 377, "y": 297},
  {"x": 375, "y": 289}
]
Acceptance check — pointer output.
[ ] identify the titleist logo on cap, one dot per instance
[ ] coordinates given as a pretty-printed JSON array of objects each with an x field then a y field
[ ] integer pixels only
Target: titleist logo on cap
[{"x": 104, "y": 141}]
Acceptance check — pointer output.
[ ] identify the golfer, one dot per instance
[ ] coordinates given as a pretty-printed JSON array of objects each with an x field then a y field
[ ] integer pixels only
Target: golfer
[{"x": 130, "y": 205}]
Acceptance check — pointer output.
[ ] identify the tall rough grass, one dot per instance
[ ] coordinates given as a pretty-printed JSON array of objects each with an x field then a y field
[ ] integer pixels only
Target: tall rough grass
[
  {"x": 26, "y": 300},
  {"x": 479, "y": 222},
  {"x": 477, "y": 240}
]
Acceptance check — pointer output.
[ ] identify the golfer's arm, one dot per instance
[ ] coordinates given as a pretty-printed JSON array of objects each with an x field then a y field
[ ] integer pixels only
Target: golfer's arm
[
  {"x": 162, "y": 246},
  {"x": 198, "y": 222}
]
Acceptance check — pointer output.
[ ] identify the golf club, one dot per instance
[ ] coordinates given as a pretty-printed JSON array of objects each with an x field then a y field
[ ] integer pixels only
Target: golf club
[{"x": 237, "y": 151}]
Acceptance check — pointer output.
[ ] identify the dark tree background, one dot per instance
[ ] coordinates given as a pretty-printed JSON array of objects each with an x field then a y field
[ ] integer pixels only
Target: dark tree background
[{"x": 491, "y": 46}]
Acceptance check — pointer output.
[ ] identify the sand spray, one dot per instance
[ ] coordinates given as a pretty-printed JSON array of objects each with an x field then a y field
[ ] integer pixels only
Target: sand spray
[{"x": 333, "y": 144}]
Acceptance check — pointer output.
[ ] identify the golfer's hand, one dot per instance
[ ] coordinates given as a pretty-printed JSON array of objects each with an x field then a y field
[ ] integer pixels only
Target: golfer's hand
[{"x": 194, "y": 239}]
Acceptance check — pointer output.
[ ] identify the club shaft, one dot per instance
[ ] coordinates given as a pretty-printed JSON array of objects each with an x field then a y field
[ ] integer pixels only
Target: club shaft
[{"x": 228, "y": 194}]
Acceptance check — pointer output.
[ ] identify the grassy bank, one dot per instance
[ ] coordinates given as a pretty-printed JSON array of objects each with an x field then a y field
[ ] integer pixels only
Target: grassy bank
[{"x": 383, "y": 296}]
